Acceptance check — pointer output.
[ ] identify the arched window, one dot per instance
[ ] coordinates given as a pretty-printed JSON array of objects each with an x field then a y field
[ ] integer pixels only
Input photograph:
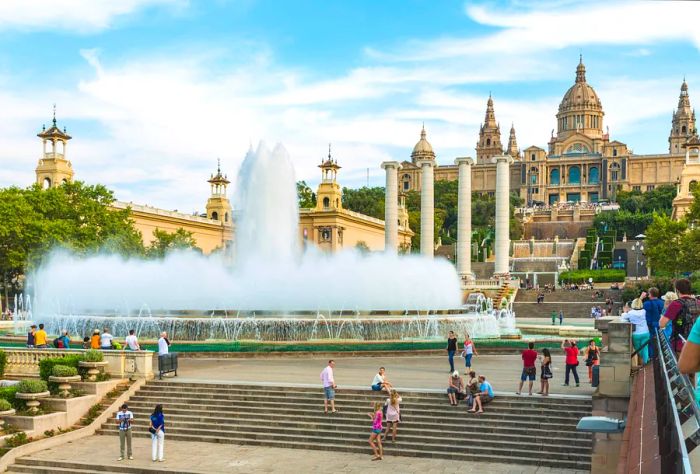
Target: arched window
[
  {"x": 46, "y": 184},
  {"x": 215, "y": 215},
  {"x": 337, "y": 202},
  {"x": 326, "y": 203},
  {"x": 554, "y": 177},
  {"x": 574, "y": 175},
  {"x": 533, "y": 157},
  {"x": 593, "y": 175},
  {"x": 683, "y": 129},
  {"x": 577, "y": 148},
  {"x": 614, "y": 172},
  {"x": 692, "y": 186},
  {"x": 64, "y": 181},
  {"x": 488, "y": 142},
  {"x": 614, "y": 151},
  {"x": 226, "y": 217}
]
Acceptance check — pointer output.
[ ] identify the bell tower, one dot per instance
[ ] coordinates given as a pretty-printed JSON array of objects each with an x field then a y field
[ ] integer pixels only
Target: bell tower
[
  {"x": 218, "y": 204},
  {"x": 489, "y": 144},
  {"x": 683, "y": 123},
  {"x": 329, "y": 195},
  {"x": 53, "y": 168}
]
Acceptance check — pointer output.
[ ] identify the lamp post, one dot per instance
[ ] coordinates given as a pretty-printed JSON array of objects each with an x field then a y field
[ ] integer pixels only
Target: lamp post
[{"x": 638, "y": 248}]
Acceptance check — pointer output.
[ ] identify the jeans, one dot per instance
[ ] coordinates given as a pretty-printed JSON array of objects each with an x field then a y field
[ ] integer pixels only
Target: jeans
[
  {"x": 468, "y": 360},
  {"x": 157, "y": 442},
  {"x": 125, "y": 437},
  {"x": 570, "y": 368},
  {"x": 652, "y": 333},
  {"x": 451, "y": 358}
]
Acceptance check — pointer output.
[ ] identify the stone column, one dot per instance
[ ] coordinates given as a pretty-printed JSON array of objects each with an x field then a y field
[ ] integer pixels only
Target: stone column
[
  {"x": 427, "y": 209},
  {"x": 502, "y": 213},
  {"x": 464, "y": 219},
  {"x": 391, "y": 209}
]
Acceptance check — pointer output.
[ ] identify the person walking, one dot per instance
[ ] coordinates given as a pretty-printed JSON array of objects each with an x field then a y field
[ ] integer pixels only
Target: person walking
[
  {"x": 592, "y": 358},
  {"x": 393, "y": 415},
  {"x": 455, "y": 386},
  {"x": 124, "y": 420},
  {"x": 31, "y": 341},
  {"x": 375, "y": 438},
  {"x": 451, "y": 349},
  {"x": 157, "y": 430},
  {"x": 529, "y": 372},
  {"x": 554, "y": 318},
  {"x": 469, "y": 352},
  {"x": 561, "y": 317},
  {"x": 328, "y": 387},
  {"x": 163, "y": 344},
  {"x": 636, "y": 315},
  {"x": 132, "y": 341},
  {"x": 546, "y": 372},
  {"x": 571, "y": 351}
]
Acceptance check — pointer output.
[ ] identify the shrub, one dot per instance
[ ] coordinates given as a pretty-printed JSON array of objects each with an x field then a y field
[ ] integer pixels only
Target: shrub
[
  {"x": 599, "y": 276},
  {"x": 3, "y": 362},
  {"x": 49, "y": 433},
  {"x": 5, "y": 405},
  {"x": 17, "y": 439},
  {"x": 93, "y": 355},
  {"x": 8, "y": 393},
  {"x": 63, "y": 371},
  {"x": 46, "y": 365},
  {"x": 32, "y": 386}
]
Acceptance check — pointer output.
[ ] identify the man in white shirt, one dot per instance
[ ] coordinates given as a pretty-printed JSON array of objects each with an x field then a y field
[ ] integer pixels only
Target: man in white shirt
[
  {"x": 328, "y": 386},
  {"x": 124, "y": 419},
  {"x": 106, "y": 339},
  {"x": 131, "y": 341},
  {"x": 163, "y": 344}
]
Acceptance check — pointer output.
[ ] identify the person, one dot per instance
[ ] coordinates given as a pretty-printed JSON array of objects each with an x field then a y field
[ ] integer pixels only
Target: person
[
  {"x": 86, "y": 343},
  {"x": 469, "y": 352},
  {"x": 636, "y": 315},
  {"x": 64, "y": 339},
  {"x": 483, "y": 396},
  {"x": 106, "y": 339},
  {"x": 380, "y": 382},
  {"x": 561, "y": 317},
  {"x": 472, "y": 387},
  {"x": 529, "y": 372},
  {"x": 31, "y": 336},
  {"x": 571, "y": 351},
  {"x": 328, "y": 386},
  {"x": 653, "y": 307},
  {"x": 451, "y": 349},
  {"x": 132, "y": 342},
  {"x": 375, "y": 438},
  {"x": 592, "y": 358},
  {"x": 668, "y": 298},
  {"x": 393, "y": 414},
  {"x": 124, "y": 420},
  {"x": 95, "y": 339},
  {"x": 41, "y": 338},
  {"x": 554, "y": 317},
  {"x": 681, "y": 313},
  {"x": 163, "y": 344},
  {"x": 455, "y": 385},
  {"x": 157, "y": 430},
  {"x": 546, "y": 372}
]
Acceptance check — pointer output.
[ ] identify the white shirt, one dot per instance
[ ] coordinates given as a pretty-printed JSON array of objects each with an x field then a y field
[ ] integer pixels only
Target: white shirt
[
  {"x": 327, "y": 377},
  {"x": 132, "y": 342},
  {"x": 638, "y": 317},
  {"x": 162, "y": 346},
  {"x": 106, "y": 340},
  {"x": 377, "y": 379}
]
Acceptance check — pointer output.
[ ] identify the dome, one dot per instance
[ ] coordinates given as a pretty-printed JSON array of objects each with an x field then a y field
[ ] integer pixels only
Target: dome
[
  {"x": 581, "y": 95},
  {"x": 423, "y": 149}
]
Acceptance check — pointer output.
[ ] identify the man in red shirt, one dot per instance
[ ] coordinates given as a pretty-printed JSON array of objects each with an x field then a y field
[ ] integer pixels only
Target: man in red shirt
[
  {"x": 685, "y": 298},
  {"x": 571, "y": 350},
  {"x": 529, "y": 370}
]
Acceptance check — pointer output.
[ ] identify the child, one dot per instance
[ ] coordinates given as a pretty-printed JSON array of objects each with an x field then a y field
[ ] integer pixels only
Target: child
[
  {"x": 375, "y": 439},
  {"x": 393, "y": 415},
  {"x": 86, "y": 343},
  {"x": 467, "y": 353}
]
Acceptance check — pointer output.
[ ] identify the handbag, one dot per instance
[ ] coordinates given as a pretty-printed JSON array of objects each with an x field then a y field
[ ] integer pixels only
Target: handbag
[
  {"x": 152, "y": 430},
  {"x": 547, "y": 373}
]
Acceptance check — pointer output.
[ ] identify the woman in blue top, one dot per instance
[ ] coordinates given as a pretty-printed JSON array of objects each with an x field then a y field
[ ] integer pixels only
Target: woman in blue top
[{"x": 157, "y": 431}]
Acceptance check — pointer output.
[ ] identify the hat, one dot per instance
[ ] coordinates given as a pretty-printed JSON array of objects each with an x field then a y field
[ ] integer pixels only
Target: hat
[
  {"x": 669, "y": 296},
  {"x": 455, "y": 373},
  {"x": 96, "y": 331}
]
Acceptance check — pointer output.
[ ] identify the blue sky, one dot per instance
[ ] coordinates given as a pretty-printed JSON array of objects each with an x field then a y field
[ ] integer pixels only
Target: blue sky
[{"x": 154, "y": 91}]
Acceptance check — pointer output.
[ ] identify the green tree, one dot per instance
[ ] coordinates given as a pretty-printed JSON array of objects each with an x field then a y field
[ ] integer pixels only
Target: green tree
[
  {"x": 166, "y": 242},
  {"x": 658, "y": 200},
  {"x": 368, "y": 201},
  {"x": 665, "y": 245},
  {"x": 624, "y": 222},
  {"x": 306, "y": 197}
]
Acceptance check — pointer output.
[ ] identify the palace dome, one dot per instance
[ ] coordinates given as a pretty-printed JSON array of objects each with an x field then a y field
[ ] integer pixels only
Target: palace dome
[
  {"x": 580, "y": 96},
  {"x": 423, "y": 149}
]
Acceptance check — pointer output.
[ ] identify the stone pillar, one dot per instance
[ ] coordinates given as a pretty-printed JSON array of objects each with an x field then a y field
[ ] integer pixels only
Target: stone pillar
[
  {"x": 427, "y": 208},
  {"x": 464, "y": 219},
  {"x": 391, "y": 209},
  {"x": 502, "y": 213}
]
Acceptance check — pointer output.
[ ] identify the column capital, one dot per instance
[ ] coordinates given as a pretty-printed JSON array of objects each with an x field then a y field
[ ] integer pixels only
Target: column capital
[
  {"x": 502, "y": 158},
  {"x": 425, "y": 162},
  {"x": 391, "y": 164},
  {"x": 464, "y": 160}
]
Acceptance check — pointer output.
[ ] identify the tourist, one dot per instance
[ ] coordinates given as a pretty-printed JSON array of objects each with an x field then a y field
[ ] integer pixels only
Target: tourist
[
  {"x": 328, "y": 386},
  {"x": 554, "y": 317},
  {"x": 546, "y": 372},
  {"x": 132, "y": 342},
  {"x": 41, "y": 338},
  {"x": 468, "y": 352},
  {"x": 653, "y": 307},
  {"x": 163, "y": 344},
  {"x": 572, "y": 352},
  {"x": 592, "y": 358},
  {"x": 483, "y": 396},
  {"x": 380, "y": 382},
  {"x": 455, "y": 388},
  {"x": 124, "y": 420},
  {"x": 157, "y": 431},
  {"x": 375, "y": 438},
  {"x": 472, "y": 387},
  {"x": 561, "y": 317},
  {"x": 451, "y": 349},
  {"x": 636, "y": 315},
  {"x": 106, "y": 340},
  {"x": 31, "y": 336},
  {"x": 529, "y": 372},
  {"x": 668, "y": 298},
  {"x": 393, "y": 415},
  {"x": 64, "y": 340},
  {"x": 681, "y": 313},
  {"x": 95, "y": 339},
  {"x": 86, "y": 343}
]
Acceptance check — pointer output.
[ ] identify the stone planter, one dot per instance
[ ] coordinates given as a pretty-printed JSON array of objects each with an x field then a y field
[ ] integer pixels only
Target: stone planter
[
  {"x": 32, "y": 400},
  {"x": 64, "y": 383},
  {"x": 93, "y": 368},
  {"x": 9, "y": 412}
]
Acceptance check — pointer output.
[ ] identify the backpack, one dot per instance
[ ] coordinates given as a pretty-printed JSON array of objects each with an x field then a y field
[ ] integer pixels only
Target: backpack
[
  {"x": 58, "y": 343},
  {"x": 690, "y": 310}
]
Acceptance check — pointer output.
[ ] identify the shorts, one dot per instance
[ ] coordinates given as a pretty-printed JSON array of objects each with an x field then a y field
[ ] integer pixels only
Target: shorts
[
  {"x": 528, "y": 373},
  {"x": 468, "y": 360},
  {"x": 330, "y": 393},
  {"x": 377, "y": 431},
  {"x": 451, "y": 390},
  {"x": 486, "y": 399},
  {"x": 376, "y": 387}
]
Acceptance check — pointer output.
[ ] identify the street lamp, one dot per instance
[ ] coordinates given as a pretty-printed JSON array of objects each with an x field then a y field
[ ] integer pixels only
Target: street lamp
[{"x": 638, "y": 248}]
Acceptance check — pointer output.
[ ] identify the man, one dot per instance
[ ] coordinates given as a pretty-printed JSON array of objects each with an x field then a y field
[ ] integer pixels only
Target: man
[
  {"x": 484, "y": 396},
  {"x": 31, "y": 336},
  {"x": 64, "y": 339},
  {"x": 163, "y": 344},
  {"x": 132, "y": 342},
  {"x": 380, "y": 382},
  {"x": 529, "y": 357},
  {"x": 554, "y": 318},
  {"x": 561, "y": 317},
  {"x": 124, "y": 419},
  {"x": 40, "y": 338},
  {"x": 653, "y": 306},
  {"x": 328, "y": 386},
  {"x": 681, "y": 314},
  {"x": 106, "y": 339}
]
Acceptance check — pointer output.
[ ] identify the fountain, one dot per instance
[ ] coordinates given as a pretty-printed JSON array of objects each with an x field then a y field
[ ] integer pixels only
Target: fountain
[{"x": 275, "y": 291}]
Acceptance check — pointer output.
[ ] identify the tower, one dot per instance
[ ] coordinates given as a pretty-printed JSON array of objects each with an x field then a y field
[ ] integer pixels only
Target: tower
[
  {"x": 218, "y": 204},
  {"x": 329, "y": 195},
  {"x": 513, "y": 144},
  {"x": 489, "y": 144},
  {"x": 683, "y": 123},
  {"x": 53, "y": 168},
  {"x": 580, "y": 110}
]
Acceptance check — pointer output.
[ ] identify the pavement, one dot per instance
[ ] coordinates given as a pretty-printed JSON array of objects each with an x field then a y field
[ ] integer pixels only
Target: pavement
[{"x": 198, "y": 457}]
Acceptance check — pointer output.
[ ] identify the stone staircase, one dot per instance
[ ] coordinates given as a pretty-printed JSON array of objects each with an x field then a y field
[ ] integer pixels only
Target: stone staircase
[
  {"x": 575, "y": 304},
  {"x": 515, "y": 430}
]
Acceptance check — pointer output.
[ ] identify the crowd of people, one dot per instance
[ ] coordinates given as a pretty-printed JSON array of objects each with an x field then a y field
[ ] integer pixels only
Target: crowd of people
[{"x": 99, "y": 340}]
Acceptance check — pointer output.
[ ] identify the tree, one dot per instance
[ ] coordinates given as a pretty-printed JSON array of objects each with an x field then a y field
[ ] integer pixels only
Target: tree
[
  {"x": 166, "y": 242},
  {"x": 666, "y": 245},
  {"x": 367, "y": 201},
  {"x": 658, "y": 200},
  {"x": 305, "y": 196},
  {"x": 624, "y": 222}
]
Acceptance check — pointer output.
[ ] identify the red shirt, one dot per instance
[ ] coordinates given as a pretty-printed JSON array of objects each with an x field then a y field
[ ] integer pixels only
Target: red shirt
[
  {"x": 571, "y": 355},
  {"x": 529, "y": 357}
]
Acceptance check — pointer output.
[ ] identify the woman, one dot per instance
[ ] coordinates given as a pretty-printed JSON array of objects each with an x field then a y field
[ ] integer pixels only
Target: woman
[
  {"x": 375, "y": 438},
  {"x": 393, "y": 414},
  {"x": 95, "y": 339},
  {"x": 592, "y": 358},
  {"x": 451, "y": 349},
  {"x": 637, "y": 316},
  {"x": 157, "y": 430},
  {"x": 668, "y": 298},
  {"x": 571, "y": 350},
  {"x": 455, "y": 385},
  {"x": 469, "y": 351},
  {"x": 546, "y": 372},
  {"x": 472, "y": 387}
]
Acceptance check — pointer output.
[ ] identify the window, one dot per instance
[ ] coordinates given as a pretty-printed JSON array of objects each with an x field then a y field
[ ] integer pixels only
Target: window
[
  {"x": 488, "y": 142},
  {"x": 325, "y": 234},
  {"x": 650, "y": 187},
  {"x": 533, "y": 157},
  {"x": 491, "y": 193},
  {"x": 692, "y": 186},
  {"x": 614, "y": 172},
  {"x": 554, "y": 177},
  {"x": 577, "y": 148},
  {"x": 553, "y": 199},
  {"x": 573, "y": 197},
  {"x": 574, "y": 175},
  {"x": 406, "y": 185},
  {"x": 683, "y": 129},
  {"x": 614, "y": 151},
  {"x": 593, "y": 197},
  {"x": 226, "y": 217},
  {"x": 593, "y": 175},
  {"x": 215, "y": 215},
  {"x": 326, "y": 203},
  {"x": 47, "y": 183},
  {"x": 636, "y": 188}
]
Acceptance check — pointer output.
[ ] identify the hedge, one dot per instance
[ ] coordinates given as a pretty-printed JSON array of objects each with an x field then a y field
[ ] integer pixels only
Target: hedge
[
  {"x": 46, "y": 365},
  {"x": 3, "y": 362},
  {"x": 8, "y": 393},
  {"x": 599, "y": 276}
]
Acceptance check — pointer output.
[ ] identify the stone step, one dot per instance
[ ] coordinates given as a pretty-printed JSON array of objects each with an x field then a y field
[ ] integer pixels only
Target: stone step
[
  {"x": 47, "y": 466},
  {"x": 473, "y": 454}
]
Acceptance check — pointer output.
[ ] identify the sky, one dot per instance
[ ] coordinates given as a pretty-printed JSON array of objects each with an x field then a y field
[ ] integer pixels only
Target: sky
[{"x": 155, "y": 91}]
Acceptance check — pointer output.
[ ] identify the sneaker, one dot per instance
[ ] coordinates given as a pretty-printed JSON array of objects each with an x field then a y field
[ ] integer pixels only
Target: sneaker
[
  {"x": 565, "y": 385},
  {"x": 121, "y": 458},
  {"x": 578, "y": 385},
  {"x": 161, "y": 460},
  {"x": 131, "y": 458}
]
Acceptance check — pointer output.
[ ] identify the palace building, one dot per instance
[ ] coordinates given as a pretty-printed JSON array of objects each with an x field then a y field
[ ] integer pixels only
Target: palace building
[{"x": 581, "y": 163}]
